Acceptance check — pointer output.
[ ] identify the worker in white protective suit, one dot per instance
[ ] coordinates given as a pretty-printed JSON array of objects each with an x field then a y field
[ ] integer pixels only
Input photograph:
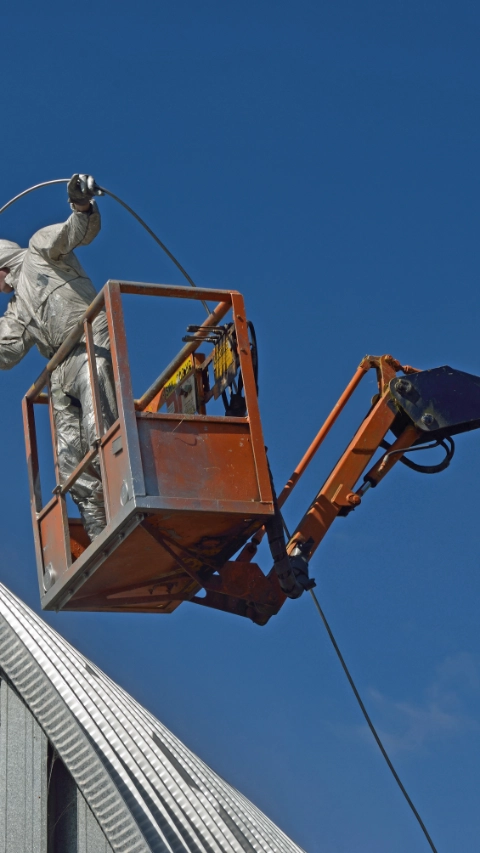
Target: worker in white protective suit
[{"x": 51, "y": 292}]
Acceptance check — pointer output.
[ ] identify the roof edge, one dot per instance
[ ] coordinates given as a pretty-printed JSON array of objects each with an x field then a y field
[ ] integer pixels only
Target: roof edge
[{"x": 72, "y": 743}]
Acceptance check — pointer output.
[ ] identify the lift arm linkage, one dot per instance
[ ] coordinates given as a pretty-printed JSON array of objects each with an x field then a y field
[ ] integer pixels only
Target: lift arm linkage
[
  {"x": 336, "y": 497},
  {"x": 430, "y": 404}
]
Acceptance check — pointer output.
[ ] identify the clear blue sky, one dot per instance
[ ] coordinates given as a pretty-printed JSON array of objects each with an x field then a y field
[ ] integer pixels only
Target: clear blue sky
[{"x": 323, "y": 159}]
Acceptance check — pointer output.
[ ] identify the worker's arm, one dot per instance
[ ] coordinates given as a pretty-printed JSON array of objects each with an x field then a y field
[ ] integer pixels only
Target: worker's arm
[
  {"x": 15, "y": 340},
  {"x": 57, "y": 240},
  {"x": 80, "y": 228}
]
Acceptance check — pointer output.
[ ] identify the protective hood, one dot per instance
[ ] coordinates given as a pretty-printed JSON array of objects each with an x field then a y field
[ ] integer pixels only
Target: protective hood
[{"x": 11, "y": 256}]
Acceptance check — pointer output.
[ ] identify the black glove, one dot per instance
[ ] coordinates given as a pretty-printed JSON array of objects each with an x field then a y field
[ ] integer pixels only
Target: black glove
[{"x": 82, "y": 188}]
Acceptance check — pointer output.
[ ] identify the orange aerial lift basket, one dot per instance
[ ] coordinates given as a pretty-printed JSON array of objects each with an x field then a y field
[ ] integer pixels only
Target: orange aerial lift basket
[{"x": 185, "y": 491}]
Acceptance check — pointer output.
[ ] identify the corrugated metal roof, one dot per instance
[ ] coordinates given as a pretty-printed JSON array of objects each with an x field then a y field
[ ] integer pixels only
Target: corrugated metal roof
[{"x": 147, "y": 790}]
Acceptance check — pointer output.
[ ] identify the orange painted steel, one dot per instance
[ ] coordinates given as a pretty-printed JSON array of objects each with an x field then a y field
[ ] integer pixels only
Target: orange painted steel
[
  {"x": 185, "y": 491},
  {"x": 322, "y": 433},
  {"x": 407, "y": 438},
  {"x": 336, "y": 492},
  {"x": 336, "y": 495}
]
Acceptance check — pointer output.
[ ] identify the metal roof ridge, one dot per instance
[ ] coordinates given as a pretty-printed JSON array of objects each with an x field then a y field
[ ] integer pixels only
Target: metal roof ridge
[{"x": 172, "y": 795}]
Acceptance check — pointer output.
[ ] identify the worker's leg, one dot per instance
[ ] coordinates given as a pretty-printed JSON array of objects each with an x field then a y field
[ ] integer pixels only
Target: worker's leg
[
  {"x": 71, "y": 448},
  {"x": 75, "y": 429},
  {"x": 89, "y": 494}
]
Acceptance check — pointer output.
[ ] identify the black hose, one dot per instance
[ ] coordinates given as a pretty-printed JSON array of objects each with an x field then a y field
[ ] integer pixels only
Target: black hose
[
  {"x": 104, "y": 191},
  {"x": 370, "y": 724},
  {"x": 428, "y": 469}
]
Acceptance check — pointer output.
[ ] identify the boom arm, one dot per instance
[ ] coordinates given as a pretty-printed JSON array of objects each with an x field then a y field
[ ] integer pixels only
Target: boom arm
[
  {"x": 337, "y": 495},
  {"x": 432, "y": 404}
]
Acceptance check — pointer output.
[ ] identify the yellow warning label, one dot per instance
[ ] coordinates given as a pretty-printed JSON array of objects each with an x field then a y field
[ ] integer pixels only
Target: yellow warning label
[
  {"x": 177, "y": 377},
  {"x": 222, "y": 358}
]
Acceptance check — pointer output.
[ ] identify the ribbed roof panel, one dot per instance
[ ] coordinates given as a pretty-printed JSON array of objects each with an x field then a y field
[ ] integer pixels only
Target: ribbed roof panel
[{"x": 147, "y": 790}]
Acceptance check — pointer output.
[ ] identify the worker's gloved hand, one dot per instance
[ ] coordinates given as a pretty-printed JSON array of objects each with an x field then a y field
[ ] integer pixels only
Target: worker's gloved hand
[{"x": 82, "y": 188}]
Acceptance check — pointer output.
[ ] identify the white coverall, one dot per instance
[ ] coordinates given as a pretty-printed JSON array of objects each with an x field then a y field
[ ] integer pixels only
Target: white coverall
[{"x": 51, "y": 293}]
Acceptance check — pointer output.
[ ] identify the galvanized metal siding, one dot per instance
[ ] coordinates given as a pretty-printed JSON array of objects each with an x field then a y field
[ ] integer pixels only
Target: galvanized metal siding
[
  {"x": 122, "y": 758},
  {"x": 90, "y": 836},
  {"x": 36, "y": 683},
  {"x": 23, "y": 778}
]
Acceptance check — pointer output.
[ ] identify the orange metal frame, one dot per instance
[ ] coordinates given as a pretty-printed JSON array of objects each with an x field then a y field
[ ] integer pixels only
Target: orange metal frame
[
  {"x": 337, "y": 495},
  {"x": 184, "y": 493}
]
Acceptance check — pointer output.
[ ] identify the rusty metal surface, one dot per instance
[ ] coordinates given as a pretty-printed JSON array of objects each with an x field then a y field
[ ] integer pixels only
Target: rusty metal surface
[
  {"x": 184, "y": 493},
  {"x": 54, "y": 548},
  {"x": 243, "y": 589},
  {"x": 169, "y": 554},
  {"x": 199, "y": 458},
  {"x": 71, "y": 578},
  {"x": 116, "y": 467},
  {"x": 178, "y": 291},
  {"x": 258, "y": 443},
  {"x": 79, "y": 540},
  {"x": 123, "y": 387},
  {"x": 135, "y": 566}
]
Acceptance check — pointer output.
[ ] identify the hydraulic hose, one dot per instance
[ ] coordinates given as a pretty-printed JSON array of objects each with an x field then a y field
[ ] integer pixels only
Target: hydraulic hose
[
  {"x": 448, "y": 445},
  {"x": 104, "y": 191}
]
